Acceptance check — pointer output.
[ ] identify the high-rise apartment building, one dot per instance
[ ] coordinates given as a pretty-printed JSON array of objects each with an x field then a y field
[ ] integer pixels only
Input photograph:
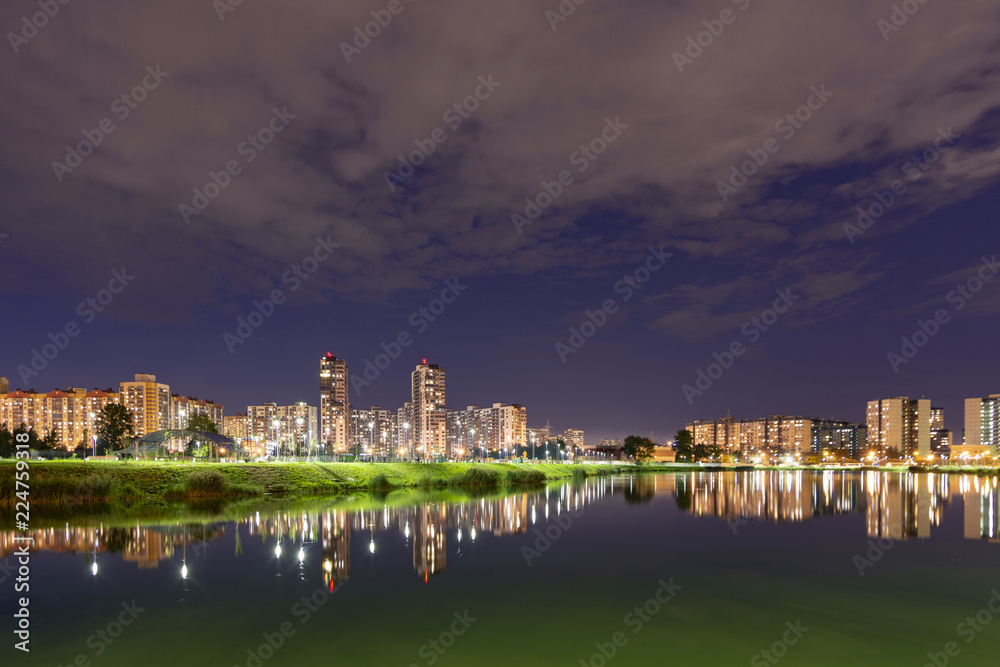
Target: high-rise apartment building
[
  {"x": 982, "y": 427},
  {"x": 375, "y": 431},
  {"x": 283, "y": 429},
  {"x": 149, "y": 403},
  {"x": 477, "y": 431},
  {"x": 901, "y": 425},
  {"x": 184, "y": 408},
  {"x": 427, "y": 383},
  {"x": 334, "y": 404},
  {"x": 236, "y": 427},
  {"x": 573, "y": 438},
  {"x": 779, "y": 434}
]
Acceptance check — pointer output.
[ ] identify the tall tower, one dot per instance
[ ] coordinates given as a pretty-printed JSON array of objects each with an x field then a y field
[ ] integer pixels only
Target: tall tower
[
  {"x": 430, "y": 428},
  {"x": 334, "y": 404}
]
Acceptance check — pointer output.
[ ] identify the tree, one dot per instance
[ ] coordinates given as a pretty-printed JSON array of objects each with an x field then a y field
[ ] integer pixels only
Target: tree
[
  {"x": 638, "y": 448},
  {"x": 6, "y": 442},
  {"x": 206, "y": 425},
  {"x": 114, "y": 427},
  {"x": 684, "y": 445},
  {"x": 49, "y": 442}
]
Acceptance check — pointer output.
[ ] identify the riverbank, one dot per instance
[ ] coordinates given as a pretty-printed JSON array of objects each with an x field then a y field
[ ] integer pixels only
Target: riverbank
[{"x": 77, "y": 483}]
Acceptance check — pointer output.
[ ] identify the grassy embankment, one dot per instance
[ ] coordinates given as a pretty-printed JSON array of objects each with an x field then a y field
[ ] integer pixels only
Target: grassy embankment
[{"x": 78, "y": 483}]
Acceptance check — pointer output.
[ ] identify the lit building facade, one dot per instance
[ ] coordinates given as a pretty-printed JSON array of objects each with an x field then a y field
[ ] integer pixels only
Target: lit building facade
[
  {"x": 375, "y": 431},
  {"x": 430, "y": 416},
  {"x": 283, "y": 429},
  {"x": 184, "y": 408},
  {"x": 982, "y": 427},
  {"x": 900, "y": 424},
  {"x": 779, "y": 434},
  {"x": 149, "y": 403},
  {"x": 334, "y": 404}
]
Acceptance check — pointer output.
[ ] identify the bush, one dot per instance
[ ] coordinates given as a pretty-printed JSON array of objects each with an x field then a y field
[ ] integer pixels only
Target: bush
[
  {"x": 206, "y": 483},
  {"x": 522, "y": 476},
  {"x": 380, "y": 481}
]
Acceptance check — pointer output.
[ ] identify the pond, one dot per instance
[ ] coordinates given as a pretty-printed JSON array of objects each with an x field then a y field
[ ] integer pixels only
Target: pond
[{"x": 714, "y": 568}]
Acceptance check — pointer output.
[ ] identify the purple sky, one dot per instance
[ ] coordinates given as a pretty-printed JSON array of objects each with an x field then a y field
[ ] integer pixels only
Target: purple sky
[{"x": 879, "y": 97}]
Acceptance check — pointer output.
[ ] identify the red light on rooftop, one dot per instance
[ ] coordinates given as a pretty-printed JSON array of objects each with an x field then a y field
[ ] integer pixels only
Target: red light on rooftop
[
  {"x": 329, "y": 355},
  {"x": 423, "y": 361}
]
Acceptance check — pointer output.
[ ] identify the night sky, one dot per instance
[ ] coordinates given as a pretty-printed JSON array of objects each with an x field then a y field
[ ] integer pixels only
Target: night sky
[{"x": 670, "y": 118}]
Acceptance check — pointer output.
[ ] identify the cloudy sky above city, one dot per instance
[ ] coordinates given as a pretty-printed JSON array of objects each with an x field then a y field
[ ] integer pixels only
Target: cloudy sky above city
[{"x": 835, "y": 105}]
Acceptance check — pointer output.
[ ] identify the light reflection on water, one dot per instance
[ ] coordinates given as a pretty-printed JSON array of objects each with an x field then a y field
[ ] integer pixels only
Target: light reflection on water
[{"x": 897, "y": 506}]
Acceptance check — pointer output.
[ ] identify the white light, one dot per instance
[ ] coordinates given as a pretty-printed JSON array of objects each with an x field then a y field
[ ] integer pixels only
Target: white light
[
  {"x": 93, "y": 568},
  {"x": 277, "y": 550},
  {"x": 371, "y": 546},
  {"x": 184, "y": 571},
  {"x": 302, "y": 555}
]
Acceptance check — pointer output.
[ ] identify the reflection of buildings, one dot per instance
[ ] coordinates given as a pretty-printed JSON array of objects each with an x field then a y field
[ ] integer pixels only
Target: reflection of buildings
[
  {"x": 143, "y": 546},
  {"x": 982, "y": 508},
  {"x": 335, "y": 539},
  {"x": 430, "y": 554},
  {"x": 904, "y": 505}
]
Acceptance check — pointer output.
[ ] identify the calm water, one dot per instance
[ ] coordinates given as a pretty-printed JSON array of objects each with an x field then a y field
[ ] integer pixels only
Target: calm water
[{"x": 687, "y": 569}]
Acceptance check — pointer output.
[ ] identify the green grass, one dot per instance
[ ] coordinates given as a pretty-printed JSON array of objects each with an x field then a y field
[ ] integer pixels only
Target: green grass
[{"x": 83, "y": 483}]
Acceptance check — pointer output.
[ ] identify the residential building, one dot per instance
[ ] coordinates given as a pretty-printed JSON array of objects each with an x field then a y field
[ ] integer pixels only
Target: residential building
[
  {"x": 427, "y": 384},
  {"x": 184, "y": 408},
  {"x": 982, "y": 427},
  {"x": 901, "y": 425},
  {"x": 573, "y": 438},
  {"x": 70, "y": 413},
  {"x": 283, "y": 429},
  {"x": 149, "y": 403},
  {"x": 497, "y": 430},
  {"x": 404, "y": 425},
  {"x": 375, "y": 431},
  {"x": 236, "y": 427},
  {"x": 334, "y": 404},
  {"x": 779, "y": 435}
]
